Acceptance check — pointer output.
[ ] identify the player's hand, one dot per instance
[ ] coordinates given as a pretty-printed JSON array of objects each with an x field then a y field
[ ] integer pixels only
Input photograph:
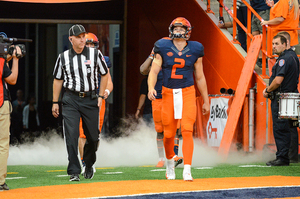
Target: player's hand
[
  {"x": 205, "y": 109},
  {"x": 152, "y": 94},
  {"x": 55, "y": 110},
  {"x": 137, "y": 113}
]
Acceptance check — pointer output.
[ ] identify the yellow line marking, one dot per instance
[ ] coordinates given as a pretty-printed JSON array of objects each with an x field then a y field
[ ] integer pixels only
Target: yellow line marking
[
  {"x": 12, "y": 172},
  {"x": 55, "y": 170},
  {"x": 106, "y": 168}
]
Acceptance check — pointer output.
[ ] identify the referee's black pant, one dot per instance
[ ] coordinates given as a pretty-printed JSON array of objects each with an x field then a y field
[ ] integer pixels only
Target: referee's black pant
[
  {"x": 74, "y": 107},
  {"x": 282, "y": 133}
]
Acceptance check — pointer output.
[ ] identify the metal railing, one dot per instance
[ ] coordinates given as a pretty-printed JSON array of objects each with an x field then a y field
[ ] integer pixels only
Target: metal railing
[{"x": 267, "y": 36}]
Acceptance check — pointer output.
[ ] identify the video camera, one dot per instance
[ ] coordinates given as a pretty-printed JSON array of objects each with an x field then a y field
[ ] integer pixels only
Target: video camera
[{"x": 6, "y": 47}]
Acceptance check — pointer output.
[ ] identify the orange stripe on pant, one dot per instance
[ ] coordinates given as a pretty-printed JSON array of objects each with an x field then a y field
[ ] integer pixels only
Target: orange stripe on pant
[
  {"x": 187, "y": 122},
  {"x": 156, "y": 113},
  {"x": 101, "y": 120}
]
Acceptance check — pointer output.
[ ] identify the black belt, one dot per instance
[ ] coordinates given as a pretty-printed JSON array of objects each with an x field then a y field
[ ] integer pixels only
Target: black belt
[{"x": 82, "y": 94}]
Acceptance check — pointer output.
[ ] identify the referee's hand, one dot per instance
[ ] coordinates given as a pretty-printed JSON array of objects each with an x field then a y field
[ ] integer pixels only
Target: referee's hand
[
  {"x": 99, "y": 102},
  {"x": 55, "y": 110}
]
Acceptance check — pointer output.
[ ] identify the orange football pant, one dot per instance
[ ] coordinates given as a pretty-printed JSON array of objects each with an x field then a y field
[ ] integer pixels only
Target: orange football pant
[
  {"x": 187, "y": 122},
  {"x": 101, "y": 120}
]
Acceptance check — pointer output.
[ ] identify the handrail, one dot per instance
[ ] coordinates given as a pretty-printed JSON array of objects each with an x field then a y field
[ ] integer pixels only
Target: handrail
[
  {"x": 248, "y": 30},
  {"x": 266, "y": 35},
  {"x": 233, "y": 15},
  {"x": 208, "y": 10}
]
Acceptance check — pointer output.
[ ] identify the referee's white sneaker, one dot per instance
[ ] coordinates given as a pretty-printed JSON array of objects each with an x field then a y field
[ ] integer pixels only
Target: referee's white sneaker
[
  {"x": 187, "y": 176},
  {"x": 170, "y": 169},
  {"x": 83, "y": 169}
]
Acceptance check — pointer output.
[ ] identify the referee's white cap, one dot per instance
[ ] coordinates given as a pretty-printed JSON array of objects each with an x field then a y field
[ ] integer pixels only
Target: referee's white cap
[{"x": 76, "y": 30}]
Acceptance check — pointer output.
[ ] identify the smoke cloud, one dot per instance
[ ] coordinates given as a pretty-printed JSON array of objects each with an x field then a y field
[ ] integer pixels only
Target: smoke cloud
[{"x": 135, "y": 147}]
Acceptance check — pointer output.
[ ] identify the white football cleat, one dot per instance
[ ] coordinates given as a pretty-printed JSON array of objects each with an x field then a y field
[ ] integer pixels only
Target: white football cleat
[
  {"x": 187, "y": 176},
  {"x": 170, "y": 169}
]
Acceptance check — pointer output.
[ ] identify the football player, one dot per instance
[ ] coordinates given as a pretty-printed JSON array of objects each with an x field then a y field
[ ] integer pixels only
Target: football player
[
  {"x": 93, "y": 42},
  {"x": 156, "y": 112},
  {"x": 179, "y": 59}
]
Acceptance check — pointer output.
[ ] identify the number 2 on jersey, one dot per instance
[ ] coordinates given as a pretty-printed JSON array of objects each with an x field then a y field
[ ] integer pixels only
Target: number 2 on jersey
[{"x": 175, "y": 66}]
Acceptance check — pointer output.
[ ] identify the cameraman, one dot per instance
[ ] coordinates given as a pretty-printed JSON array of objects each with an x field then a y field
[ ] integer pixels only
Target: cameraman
[
  {"x": 8, "y": 76},
  {"x": 284, "y": 79}
]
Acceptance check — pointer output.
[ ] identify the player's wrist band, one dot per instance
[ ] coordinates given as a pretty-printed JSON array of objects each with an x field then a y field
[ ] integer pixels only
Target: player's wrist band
[
  {"x": 151, "y": 56},
  {"x": 108, "y": 92},
  {"x": 54, "y": 102},
  {"x": 101, "y": 96}
]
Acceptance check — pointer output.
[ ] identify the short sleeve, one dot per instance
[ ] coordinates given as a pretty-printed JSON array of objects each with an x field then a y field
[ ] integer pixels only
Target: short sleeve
[
  {"x": 58, "y": 72},
  {"x": 6, "y": 71},
  {"x": 281, "y": 68},
  {"x": 281, "y": 9},
  {"x": 101, "y": 63}
]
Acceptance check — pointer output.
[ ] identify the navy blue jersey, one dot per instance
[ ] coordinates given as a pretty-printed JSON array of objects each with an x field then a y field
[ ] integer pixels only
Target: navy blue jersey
[{"x": 178, "y": 66}]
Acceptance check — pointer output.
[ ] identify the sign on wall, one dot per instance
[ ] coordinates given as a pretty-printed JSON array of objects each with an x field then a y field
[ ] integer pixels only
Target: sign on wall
[{"x": 217, "y": 121}]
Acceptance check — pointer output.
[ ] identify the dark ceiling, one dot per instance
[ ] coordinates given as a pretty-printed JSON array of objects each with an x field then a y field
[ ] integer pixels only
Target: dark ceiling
[{"x": 102, "y": 10}]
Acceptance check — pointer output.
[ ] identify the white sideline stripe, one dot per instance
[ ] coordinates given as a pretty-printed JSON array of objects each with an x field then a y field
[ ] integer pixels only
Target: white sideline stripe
[
  {"x": 158, "y": 170},
  {"x": 62, "y": 176},
  {"x": 121, "y": 196},
  {"x": 253, "y": 166},
  {"x": 118, "y": 172},
  {"x": 14, "y": 178},
  {"x": 204, "y": 168}
]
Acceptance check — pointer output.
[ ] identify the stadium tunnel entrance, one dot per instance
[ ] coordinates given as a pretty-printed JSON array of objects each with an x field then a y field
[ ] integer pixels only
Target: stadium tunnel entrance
[{"x": 140, "y": 24}]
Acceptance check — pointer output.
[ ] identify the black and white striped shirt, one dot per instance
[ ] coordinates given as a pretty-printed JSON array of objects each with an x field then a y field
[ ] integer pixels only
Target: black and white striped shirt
[{"x": 80, "y": 71}]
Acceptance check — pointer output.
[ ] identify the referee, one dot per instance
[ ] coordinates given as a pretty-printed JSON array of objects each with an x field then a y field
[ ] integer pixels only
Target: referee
[{"x": 76, "y": 70}]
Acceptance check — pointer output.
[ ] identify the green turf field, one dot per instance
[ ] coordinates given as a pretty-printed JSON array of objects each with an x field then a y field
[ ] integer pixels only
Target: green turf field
[{"x": 35, "y": 175}]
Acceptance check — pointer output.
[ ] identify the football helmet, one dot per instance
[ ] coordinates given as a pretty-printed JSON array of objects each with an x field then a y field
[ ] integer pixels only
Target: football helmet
[
  {"x": 92, "y": 38},
  {"x": 180, "y": 21}
]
